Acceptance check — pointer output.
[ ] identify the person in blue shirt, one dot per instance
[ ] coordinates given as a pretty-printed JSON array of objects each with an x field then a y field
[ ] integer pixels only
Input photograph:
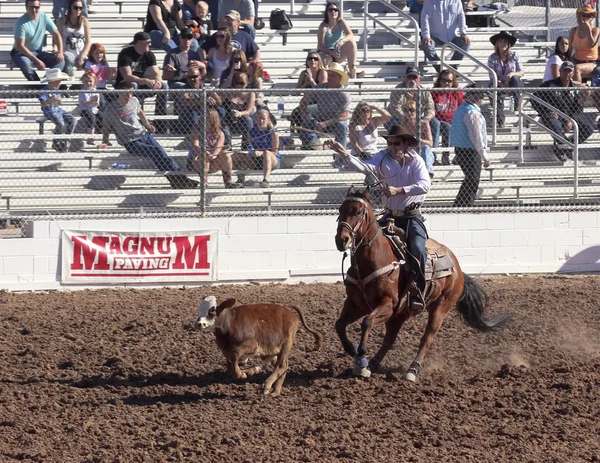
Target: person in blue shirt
[
  {"x": 29, "y": 32},
  {"x": 51, "y": 100}
]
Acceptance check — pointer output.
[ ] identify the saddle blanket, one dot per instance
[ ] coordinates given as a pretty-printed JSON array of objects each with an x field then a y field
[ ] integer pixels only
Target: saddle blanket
[{"x": 438, "y": 264}]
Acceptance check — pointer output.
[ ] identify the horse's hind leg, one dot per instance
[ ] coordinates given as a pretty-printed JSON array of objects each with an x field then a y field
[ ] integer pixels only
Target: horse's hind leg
[
  {"x": 392, "y": 328},
  {"x": 348, "y": 316},
  {"x": 437, "y": 314}
]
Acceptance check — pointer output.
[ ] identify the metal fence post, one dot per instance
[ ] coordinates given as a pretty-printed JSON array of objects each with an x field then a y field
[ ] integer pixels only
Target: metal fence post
[
  {"x": 548, "y": 19},
  {"x": 202, "y": 119}
]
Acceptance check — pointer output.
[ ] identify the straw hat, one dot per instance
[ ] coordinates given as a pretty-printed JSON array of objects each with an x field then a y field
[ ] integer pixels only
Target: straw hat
[
  {"x": 338, "y": 69},
  {"x": 54, "y": 74},
  {"x": 398, "y": 132},
  {"x": 587, "y": 9}
]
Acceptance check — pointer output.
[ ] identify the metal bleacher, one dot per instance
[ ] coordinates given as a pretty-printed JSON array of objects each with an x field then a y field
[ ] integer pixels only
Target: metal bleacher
[{"x": 37, "y": 179}]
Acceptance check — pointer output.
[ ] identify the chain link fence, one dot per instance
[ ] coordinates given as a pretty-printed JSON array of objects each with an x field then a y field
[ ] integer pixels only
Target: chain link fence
[{"x": 216, "y": 152}]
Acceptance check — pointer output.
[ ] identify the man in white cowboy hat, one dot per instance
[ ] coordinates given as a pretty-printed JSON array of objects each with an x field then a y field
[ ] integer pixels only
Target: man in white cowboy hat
[
  {"x": 326, "y": 112},
  {"x": 51, "y": 100},
  {"x": 406, "y": 186}
]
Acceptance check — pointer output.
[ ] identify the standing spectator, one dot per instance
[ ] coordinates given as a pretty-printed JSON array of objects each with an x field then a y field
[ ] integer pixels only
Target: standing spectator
[
  {"x": 127, "y": 120},
  {"x": 246, "y": 10},
  {"x": 240, "y": 40},
  {"x": 315, "y": 72},
  {"x": 507, "y": 67},
  {"x": 336, "y": 40},
  {"x": 60, "y": 8},
  {"x": 51, "y": 101},
  {"x": 469, "y": 135},
  {"x": 162, "y": 20},
  {"x": 446, "y": 103},
  {"x": 584, "y": 43},
  {"x": 96, "y": 62},
  {"x": 178, "y": 62},
  {"x": 219, "y": 55},
  {"x": 29, "y": 32},
  {"x": 326, "y": 111},
  {"x": 440, "y": 19},
  {"x": 137, "y": 65},
  {"x": 398, "y": 101},
  {"x": 363, "y": 129},
  {"x": 570, "y": 103},
  {"x": 200, "y": 24},
  {"x": 76, "y": 34}
]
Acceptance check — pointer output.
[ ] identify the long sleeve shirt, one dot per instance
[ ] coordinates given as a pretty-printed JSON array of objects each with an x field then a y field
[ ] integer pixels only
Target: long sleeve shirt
[
  {"x": 442, "y": 19},
  {"x": 502, "y": 69},
  {"x": 399, "y": 98},
  {"x": 413, "y": 177},
  {"x": 469, "y": 129}
]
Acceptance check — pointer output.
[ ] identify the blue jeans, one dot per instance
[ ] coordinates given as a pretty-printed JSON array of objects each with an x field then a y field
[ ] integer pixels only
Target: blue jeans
[
  {"x": 445, "y": 132},
  {"x": 27, "y": 67},
  {"x": 250, "y": 29},
  {"x": 64, "y": 121},
  {"x": 428, "y": 157},
  {"x": 160, "y": 108},
  {"x": 59, "y": 8},
  {"x": 186, "y": 12},
  {"x": 434, "y": 124},
  {"x": 148, "y": 147},
  {"x": 172, "y": 44},
  {"x": 339, "y": 131},
  {"x": 514, "y": 82},
  {"x": 586, "y": 129},
  {"x": 431, "y": 54}
]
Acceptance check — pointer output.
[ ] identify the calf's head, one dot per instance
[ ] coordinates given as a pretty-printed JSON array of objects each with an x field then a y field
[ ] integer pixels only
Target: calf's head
[{"x": 208, "y": 311}]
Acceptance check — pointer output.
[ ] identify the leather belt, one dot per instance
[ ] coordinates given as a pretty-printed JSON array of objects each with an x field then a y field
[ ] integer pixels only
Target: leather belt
[{"x": 402, "y": 213}]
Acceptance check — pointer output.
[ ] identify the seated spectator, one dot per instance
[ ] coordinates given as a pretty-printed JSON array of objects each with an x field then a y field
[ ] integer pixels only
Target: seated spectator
[
  {"x": 239, "y": 107},
  {"x": 336, "y": 40},
  {"x": 507, "y": 67},
  {"x": 219, "y": 56},
  {"x": 163, "y": 19},
  {"x": 255, "y": 81},
  {"x": 188, "y": 10},
  {"x": 200, "y": 24},
  {"x": 326, "y": 112},
  {"x": 245, "y": 8},
  {"x": 440, "y": 19},
  {"x": 126, "y": 119},
  {"x": 96, "y": 62},
  {"x": 584, "y": 43},
  {"x": 137, "y": 65},
  {"x": 237, "y": 63},
  {"x": 240, "y": 40},
  {"x": 446, "y": 103},
  {"x": 51, "y": 101},
  {"x": 412, "y": 125},
  {"x": 399, "y": 98},
  {"x": 469, "y": 135},
  {"x": 178, "y": 62},
  {"x": 561, "y": 53},
  {"x": 76, "y": 34},
  {"x": 362, "y": 130},
  {"x": 570, "y": 103},
  {"x": 216, "y": 156},
  {"x": 29, "y": 32},
  {"x": 263, "y": 148},
  {"x": 89, "y": 101},
  {"x": 315, "y": 72},
  {"x": 60, "y": 9}
]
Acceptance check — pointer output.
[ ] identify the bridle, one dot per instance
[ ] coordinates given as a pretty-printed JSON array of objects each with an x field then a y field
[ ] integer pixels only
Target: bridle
[{"x": 354, "y": 230}]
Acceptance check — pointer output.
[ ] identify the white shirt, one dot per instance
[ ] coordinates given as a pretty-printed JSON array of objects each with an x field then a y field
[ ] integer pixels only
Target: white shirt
[
  {"x": 413, "y": 177},
  {"x": 554, "y": 59},
  {"x": 443, "y": 19},
  {"x": 475, "y": 122}
]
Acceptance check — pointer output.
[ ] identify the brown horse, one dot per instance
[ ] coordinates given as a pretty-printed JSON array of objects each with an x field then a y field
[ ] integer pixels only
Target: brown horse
[{"x": 377, "y": 285}]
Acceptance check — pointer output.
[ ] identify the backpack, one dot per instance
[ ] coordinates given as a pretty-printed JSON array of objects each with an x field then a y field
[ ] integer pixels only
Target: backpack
[{"x": 280, "y": 20}]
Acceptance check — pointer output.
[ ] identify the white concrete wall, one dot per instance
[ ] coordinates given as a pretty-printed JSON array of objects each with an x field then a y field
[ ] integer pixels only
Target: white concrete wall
[{"x": 302, "y": 248}]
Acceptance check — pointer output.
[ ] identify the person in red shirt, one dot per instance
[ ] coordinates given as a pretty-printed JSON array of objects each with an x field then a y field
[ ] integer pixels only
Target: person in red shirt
[{"x": 446, "y": 102}]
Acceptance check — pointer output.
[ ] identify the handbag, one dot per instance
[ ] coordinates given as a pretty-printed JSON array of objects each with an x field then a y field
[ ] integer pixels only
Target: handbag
[{"x": 280, "y": 20}]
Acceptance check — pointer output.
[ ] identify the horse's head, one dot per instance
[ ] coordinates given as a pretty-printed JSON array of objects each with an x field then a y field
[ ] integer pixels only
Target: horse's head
[{"x": 356, "y": 216}]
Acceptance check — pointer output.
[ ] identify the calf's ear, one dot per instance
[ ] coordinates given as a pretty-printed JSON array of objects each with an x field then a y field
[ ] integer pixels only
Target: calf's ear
[{"x": 226, "y": 305}]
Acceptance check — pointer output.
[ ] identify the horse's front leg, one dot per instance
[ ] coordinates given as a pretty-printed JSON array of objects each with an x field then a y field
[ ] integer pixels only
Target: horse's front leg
[
  {"x": 349, "y": 315},
  {"x": 380, "y": 314}
]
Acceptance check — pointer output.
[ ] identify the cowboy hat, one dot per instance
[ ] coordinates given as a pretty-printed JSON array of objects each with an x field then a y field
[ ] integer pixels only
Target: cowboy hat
[
  {"x": 52, "y": 75},
  {"x": 338, "y": 69},
  {"x": 587, "y": 9},
  {"x": 478, "y": 91},
  {"x": 398, "y": 132},
  {"x": 503, "y": 35}
]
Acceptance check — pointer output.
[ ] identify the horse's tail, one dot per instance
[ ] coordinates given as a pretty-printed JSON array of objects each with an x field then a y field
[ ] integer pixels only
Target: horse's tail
[
  {"x": 472, "y": 304},
  {"x": 318, "y": 336}
]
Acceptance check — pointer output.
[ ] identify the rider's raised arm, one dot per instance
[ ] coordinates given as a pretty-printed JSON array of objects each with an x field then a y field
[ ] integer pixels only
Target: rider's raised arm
[
  {"x": 364, "y": 167},
  {"x": 421, "y": 177}
]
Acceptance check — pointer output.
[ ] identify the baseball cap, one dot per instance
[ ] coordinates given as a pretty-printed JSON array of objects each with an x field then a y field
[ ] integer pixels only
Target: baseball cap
[
  {"x": 233, "y": 15},
  {"x": 186, "y": 32},
  {"x": 141, "y": 37},
  {"x": 412, "y": 71},
  {"x": 567, "y": 65}
]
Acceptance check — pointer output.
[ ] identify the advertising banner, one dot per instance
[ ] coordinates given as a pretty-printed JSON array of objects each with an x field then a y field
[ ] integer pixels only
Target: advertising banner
[{"x": 138, "y": 257}]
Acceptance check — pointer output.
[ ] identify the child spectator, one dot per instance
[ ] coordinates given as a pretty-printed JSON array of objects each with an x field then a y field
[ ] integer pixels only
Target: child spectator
[
  {"x": 255, "y": 80},
  {"x": 216, "y": 158},
  {"x": 88, "y": 104},
  {"x": 263, "y": 153},
  {"x": 201, "y": 26},
  {"x": 51, "y": 101},
  {"x": 96, "y": 63}
]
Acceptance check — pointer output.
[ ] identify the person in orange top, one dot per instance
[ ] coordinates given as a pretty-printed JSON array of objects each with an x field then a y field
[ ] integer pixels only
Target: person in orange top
[{"x": 584, "y": 43}]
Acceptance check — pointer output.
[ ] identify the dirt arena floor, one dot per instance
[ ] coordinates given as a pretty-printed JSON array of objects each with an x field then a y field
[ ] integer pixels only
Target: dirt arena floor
[{"x": 121, "y": 376}]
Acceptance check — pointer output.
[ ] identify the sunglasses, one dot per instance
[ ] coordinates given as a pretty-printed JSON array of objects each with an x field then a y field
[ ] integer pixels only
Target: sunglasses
[
  {"x": 312, "y": 58},
  {"x": 448, "y": 81},
  {"x": 333, "y": 9},
  {"x": 586, "y": 16},
  {"x": 193, "y": 77},
  {"x": 78, "y": 8},
  {"x": 220, "y": 36},
  {"x": 411, "y": 110},
  {"x": 237, "y": 60},
  {"x": 395, "y": 143},
  {"x": 36, "y": 8}
]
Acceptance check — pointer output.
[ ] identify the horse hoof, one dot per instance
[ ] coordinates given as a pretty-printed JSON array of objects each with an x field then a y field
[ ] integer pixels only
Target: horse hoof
[
  {"x": 373, "y": 365},
  {"x": 410, "y": 377},
  {"x": 364, "y": 372}
]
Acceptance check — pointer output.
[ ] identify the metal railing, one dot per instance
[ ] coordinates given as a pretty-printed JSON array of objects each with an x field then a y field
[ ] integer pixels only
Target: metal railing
[{"x": 493, "y": 77}]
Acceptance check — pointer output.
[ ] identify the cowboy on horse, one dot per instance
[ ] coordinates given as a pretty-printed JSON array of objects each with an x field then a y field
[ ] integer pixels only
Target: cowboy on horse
[{"x": 407, "y": 182}]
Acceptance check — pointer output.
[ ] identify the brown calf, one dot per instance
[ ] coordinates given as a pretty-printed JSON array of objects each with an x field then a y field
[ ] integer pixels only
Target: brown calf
[{"x": 254, "y": 330}]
